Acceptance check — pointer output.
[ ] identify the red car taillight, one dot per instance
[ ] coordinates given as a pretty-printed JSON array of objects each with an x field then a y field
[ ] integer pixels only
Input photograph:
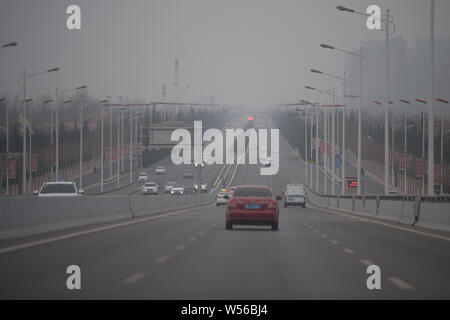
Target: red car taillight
[
  {"x": 232, "y": 203},
  {"x": 272, "y": 204}
]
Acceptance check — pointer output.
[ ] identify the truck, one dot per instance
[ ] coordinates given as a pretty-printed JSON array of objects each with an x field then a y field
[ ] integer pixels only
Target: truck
[{"x": 294, "y": 195}]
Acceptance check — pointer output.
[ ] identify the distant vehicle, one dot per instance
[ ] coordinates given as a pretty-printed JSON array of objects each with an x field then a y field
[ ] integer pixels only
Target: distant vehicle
[
  {"x": 188, "y": 175},
  {"x": 221, "y": 196},
  {"x": 265, "y": 161},
  {"x": 203, "y": 188},
  {"x": 59, "y": 189},
  {"x": 177, "y": 190},
  {"x": 169, "y": 186},
  {"x": 143, "y": 177},
  {"x": 294, "y": 195},
  {"x": 160, "y": 170},
  {"x": 150, "y": 188},
  {"x": 252, "y": 205},
  {"x": 199, "y": 164},
  {"x": 189, "y": 190},
  {"x": 232, "y": 188}
]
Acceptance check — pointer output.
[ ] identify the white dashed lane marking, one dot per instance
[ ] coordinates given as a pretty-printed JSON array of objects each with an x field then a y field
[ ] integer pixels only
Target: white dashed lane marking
[
  {"x": 162, "y": 259},
  {"x": 134, "y": 278},
  {"x": 399, "y": 283},
  {"x": 348, "y": 250},
  {"x": 180, "y": 247},
  {"x": 334, "y": 241},
  {"x": 366, "y": 262}
]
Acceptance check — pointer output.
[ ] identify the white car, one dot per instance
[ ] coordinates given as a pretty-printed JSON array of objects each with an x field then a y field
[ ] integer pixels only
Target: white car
[
  {"x": 220, "y": 196},
  {"x": 169, "y": 186},
  {"x": 177, "y": 190},
  {"x": 160, "y": 170},
  {"x": 143, "y": 177},
  {"x": 59, "y": 189},
  {"x": 150, "y": 188}
]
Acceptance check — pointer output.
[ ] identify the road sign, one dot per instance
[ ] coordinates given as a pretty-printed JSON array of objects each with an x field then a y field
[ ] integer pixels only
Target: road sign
[
  {"x": 351, "y": 183},
  {"x": 337, "y": 161}
]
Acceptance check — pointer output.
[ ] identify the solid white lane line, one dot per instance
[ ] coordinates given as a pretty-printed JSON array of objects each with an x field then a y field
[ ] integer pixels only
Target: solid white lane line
[
  {"x": 180, "y": 247},
  {"x": 162, "y": 259},
  {"x": 134, "y": 278},
  {"x": 348, "y": 250},
  {"x": 81, "y": 233},
  {"x": 399, "y": 283},
  {"x": 366, "y": 262}
]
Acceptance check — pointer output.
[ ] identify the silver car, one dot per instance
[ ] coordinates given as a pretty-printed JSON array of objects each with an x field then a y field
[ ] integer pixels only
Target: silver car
[{"x": 169, "y": 186}]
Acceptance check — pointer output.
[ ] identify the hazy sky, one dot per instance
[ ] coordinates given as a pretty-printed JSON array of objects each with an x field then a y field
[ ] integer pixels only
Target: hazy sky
[{"x": 244, "y": 51}]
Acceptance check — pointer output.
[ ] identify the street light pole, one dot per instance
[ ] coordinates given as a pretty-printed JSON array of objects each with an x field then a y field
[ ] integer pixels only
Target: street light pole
[
  {"x": 359, "y": 121},
  {"x": 24, "y": 147},
  {"x": 131, "y": 148},
  {"x": 325, "y": 151},
  {"x": 81, "y": 142},
  {"x": 404, "y": 146},
  {"x": 431, "y": 106},
  {"x": 343, "y": 138},
  {"x": 333, "y": 161},
  {"x": 101, "y": 152},
  {"x": 317, "y": 149}
]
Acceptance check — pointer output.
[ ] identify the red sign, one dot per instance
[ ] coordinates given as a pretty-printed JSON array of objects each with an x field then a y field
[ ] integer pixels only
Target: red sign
[
  {"x": 139, "y": 146},
  {"x": 125, "y": 151},
  {"x": 329, "y": 149},
  {"x": 114, "y": 153},
  {"x": 107, "y": 153},
  {"x": 437, "y": 174},
  {"x": 322, "y": 145},
  {"x": 12, "y": 168},
  {"x": 419, "y": 167},
  {"x": 34, "y": 164},
  {"x": 351, "y": 183},
  {"x": 401, "y": 162},
  {"x": 314, "y": 143}
]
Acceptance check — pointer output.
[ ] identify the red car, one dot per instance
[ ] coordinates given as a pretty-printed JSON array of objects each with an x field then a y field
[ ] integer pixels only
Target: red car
[{"x": 252, "y": 205}]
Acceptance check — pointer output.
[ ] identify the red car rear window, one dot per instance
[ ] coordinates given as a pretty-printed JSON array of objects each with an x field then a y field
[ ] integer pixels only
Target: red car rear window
[{"x": 252, "y": 192}]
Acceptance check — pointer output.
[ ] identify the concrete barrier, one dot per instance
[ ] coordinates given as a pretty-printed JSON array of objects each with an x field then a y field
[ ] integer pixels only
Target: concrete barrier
[
  {"x": 428, "y": 212},
  {"x": 435, "y": 215},
  {"x": 25, "y": 216}
]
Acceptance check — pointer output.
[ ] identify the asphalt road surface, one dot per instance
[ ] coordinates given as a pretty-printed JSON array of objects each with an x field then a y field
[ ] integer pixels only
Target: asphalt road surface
[{"x": 316, "y": 254}]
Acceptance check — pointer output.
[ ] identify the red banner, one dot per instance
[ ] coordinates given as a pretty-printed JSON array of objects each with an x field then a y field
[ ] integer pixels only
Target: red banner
[
  {"x": 114, "y": 153},
  {"x": 12, "y": 168},
  {"x": 314, "y": 143},
  {"x": 139, "y": 148},
  {"x": 322, "y": 145},
  {"x": 34, "y": 164},
  {"x": 329, "y": 149},
  {"x": 419, "y": 167},
  {"x": 437, "y": 174},
  {"x": 401, "y": 162},
  {"x": 390, "y": 158},
  {"x": 125, "y": 151},
  {"x": 107, "y": 153}
]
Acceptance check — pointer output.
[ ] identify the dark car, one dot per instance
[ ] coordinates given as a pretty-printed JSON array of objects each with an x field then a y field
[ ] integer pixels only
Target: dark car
[
  {"x": 190, "y": 190},
  {"x": 252, "y": 205}
]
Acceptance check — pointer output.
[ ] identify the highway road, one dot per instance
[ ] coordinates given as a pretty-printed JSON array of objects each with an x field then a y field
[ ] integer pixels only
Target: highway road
[{"x": 188, "y": 254}]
